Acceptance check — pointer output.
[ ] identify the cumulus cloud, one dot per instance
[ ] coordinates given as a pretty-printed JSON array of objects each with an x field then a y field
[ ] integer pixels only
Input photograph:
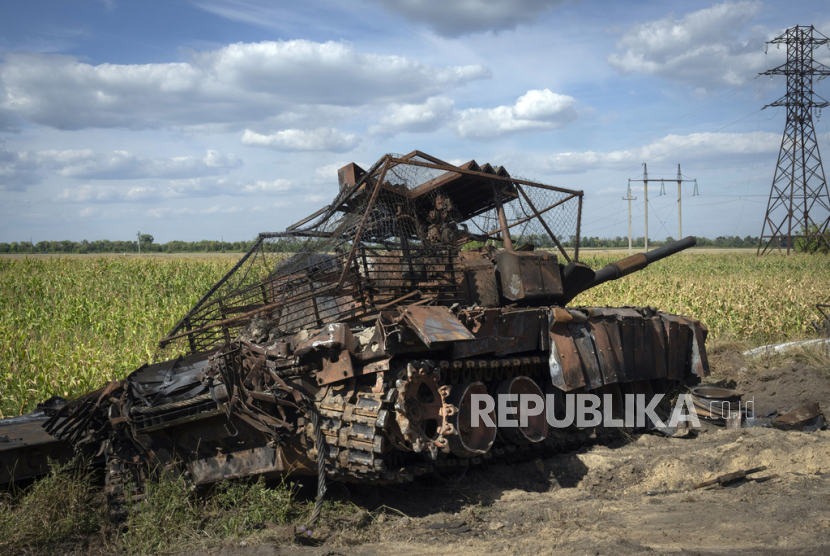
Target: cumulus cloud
[
  {"x": 461, "y": 17},
  {"x": 424, "y": 117},
  {"x": 709, "y": 48},
  {"x": 322, "y": 139},
  {"x": 21, "y": 169},
  {"x": 714, "y": 148},
  {"x": 161, "y": 212},
  {"x": 267, "y": 186},
  {"x": 211, "y": 186},
  {"x": 242, "y": 82},
  {"x": 535, "y": 110},
  {"x": 88, "y": 164},
  {"x": 106, "y": 194}
]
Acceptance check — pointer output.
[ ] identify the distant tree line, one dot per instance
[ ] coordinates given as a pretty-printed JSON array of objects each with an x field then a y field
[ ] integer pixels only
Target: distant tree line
[
  {"x": 290, "y": 245},
  {"x": 147, "y": 246},
  {"x": 720, "y": 241}
]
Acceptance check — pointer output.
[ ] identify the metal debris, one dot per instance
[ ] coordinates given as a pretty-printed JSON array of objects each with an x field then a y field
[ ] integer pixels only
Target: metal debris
[
  {"x": 730, "y": 478},
  {"x": 806, "y": 418}
]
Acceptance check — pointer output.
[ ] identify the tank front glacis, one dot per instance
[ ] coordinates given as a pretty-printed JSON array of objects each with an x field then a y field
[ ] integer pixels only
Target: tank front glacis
[{"x": 364, "y": 337}]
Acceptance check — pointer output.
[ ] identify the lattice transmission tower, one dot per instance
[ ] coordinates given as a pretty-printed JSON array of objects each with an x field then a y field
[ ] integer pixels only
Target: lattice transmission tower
[{"x": 799, "y": 203}]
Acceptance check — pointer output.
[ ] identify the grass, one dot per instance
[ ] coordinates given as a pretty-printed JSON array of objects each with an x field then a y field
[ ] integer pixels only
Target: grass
[
  {"x": 738, "y": 296},
  {"x": 68, "y": 508},
  {"x": 69, "y": 324},
  {"x": 59, "y": 505},
  {"x": 171, "y": 516}
]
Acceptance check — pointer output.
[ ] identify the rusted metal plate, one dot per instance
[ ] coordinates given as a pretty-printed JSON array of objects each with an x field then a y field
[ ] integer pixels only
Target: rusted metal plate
[
  {"x": 679, "y": 335},
  {"x": 335, "y": 367},
  {"x": 528, "y": 276},
  {"x": 482, "y": 324},
  {"x": 800, "y": 418},
  {"x": 435, "y": 324},
  {"x": 615, "y": 338},
  {"x": 480, "y": 282},
  {"x": 565, "y": 366},
  {"x": 503, "y": 332},
  {"x": 642, "y": 357},
  {"x": 697, "y": 357},
  {"x": 261, "y": 460},
  {"x": 25, "y": 448},
  {"x": 626, "y": 330},
  {"x": 607, "y": 353},
  {"x": 613, "y": 312},
  {"x": 519, "y": 331},
  {"x": 587, "y": 354},
  {"x": 654, "y": 326}
]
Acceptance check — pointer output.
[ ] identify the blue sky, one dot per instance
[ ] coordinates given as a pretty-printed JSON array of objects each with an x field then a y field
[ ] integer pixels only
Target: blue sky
[{"x": 221, "y": 119}]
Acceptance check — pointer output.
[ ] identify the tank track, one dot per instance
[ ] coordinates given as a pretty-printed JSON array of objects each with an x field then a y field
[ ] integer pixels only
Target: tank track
[{"x": 358, "y": 433}]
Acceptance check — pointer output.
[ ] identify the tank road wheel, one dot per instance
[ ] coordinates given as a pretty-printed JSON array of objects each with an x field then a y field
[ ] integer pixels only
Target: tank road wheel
[
  {"x": 422, "y": 411},
  {"x": 471, "y": 440},
  {"x": 536, "y": 429}
]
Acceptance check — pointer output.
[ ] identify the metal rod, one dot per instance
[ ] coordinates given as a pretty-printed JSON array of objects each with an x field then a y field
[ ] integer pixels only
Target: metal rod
[
  {"x": 449, "y": 168},
  {"x": 164, "y": 341},
  {"x": 356, "y": 240},
  {"x": 543, "y": 211},
  {"x": 505, "y": 229},
  {"x": 544, "y": 224}
]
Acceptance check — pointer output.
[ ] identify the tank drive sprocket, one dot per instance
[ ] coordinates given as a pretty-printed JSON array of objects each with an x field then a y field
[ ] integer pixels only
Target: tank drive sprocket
[{"x": 422, "y": 411}]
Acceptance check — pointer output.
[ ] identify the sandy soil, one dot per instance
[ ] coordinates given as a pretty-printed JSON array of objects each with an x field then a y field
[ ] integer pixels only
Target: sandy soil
[{"x": 633, "y": 496}]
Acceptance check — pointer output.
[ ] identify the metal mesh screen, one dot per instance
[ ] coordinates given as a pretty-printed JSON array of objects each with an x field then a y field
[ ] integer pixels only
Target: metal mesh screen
[{"x": 393, "y": 234}]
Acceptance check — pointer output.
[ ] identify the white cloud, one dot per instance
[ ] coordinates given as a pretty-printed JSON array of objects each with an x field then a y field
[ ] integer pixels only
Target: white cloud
[
  {"x": 460, "y": 17},
  {"x": 21, "y": 169},
  {"x": 89, "y": 164},
  {"x": 321, "y": 139},
  {"x": 535, "y": 110},
  {"x": 328, "y": 173},
  {"x": 211, "y": 186},
  {"x": 238, "y": 84},
  {"x": 161, "y": 212},
  {"x": 709, "y": 48},
  {"x": 89, "y": 212},
  {"x": 416, "y": 118},
  {"x": 106, "y": 194},
  {"x": 268, "y": 186},
  {"x": 714, "y": 148},
  {"x": 17, "y": 170}
]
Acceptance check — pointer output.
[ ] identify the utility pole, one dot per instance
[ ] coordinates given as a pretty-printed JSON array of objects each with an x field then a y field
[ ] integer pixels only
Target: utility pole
[
  {"x": 799, "y": 188},
  {"x": 645, "y": 195},
  {"x": 645, "y": 191},
  {"x": 680, "y": 180},
  {"x": 138, "y": 238},
  {"x": 629, "y": 198}
]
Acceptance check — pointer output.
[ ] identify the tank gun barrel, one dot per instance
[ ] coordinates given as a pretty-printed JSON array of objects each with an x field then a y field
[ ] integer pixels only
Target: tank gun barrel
[
  {"x": 637, "y": 262},
  {"x": 578, "y": 277}
]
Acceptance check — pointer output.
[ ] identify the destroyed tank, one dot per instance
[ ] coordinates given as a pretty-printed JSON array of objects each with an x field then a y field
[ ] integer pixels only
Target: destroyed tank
[{"x": 352, "y": 344}]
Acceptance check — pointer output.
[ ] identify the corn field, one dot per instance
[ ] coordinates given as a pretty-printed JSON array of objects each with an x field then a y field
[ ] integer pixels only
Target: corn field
[{"x": 68, "y": 325}]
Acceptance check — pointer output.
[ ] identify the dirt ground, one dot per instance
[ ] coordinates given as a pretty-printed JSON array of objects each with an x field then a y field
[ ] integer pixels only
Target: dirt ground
[{"x": 633, "y": 496}]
